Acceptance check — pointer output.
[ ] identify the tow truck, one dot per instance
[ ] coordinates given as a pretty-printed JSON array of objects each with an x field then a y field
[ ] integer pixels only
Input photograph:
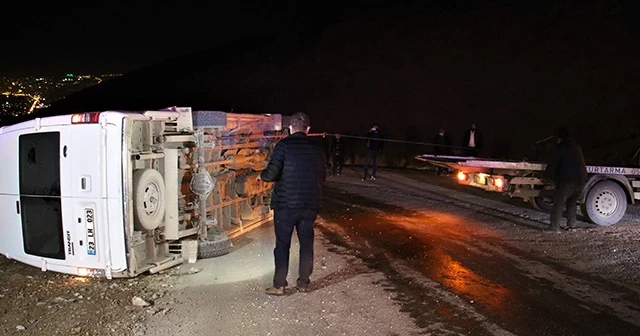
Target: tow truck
[{"x": 603, "y": 201}]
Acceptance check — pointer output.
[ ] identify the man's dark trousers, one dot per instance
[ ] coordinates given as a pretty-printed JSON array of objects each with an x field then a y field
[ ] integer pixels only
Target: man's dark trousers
[
  {"x": 471, "y": 151},
  {"x": 337, "y": 163},
  {"x": 371, "y": 160},
  {"x": 285, "y": 219},
  {"x": 565, "y": 196}
]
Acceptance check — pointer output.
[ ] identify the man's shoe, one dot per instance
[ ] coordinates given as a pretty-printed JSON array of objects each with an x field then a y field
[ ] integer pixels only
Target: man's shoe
[
  {"x": 301, "y": 289},
  {"x": 277, "y": 291},
  {"x": 552, "y": 230},
  {"x": 373, "y": 178}
]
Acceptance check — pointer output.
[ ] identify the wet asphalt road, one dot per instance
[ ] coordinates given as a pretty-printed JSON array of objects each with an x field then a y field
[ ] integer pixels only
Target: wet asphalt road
[{"x": 447, "y": 254}]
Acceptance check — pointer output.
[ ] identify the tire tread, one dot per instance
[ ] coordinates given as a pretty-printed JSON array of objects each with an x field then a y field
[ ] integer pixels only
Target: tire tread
[{"x": 214, "y": 248}]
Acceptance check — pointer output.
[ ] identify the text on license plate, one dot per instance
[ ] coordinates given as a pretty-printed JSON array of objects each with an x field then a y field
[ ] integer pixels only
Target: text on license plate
[{"x": 91, "y": 237}]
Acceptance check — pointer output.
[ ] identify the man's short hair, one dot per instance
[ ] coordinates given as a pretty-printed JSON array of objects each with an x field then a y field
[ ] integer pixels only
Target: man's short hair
[{"x": 300, "y": 121}]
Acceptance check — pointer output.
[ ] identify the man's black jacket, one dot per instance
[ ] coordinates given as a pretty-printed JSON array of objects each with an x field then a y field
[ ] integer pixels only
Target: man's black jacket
[
  {"x": 477, "y": 139},
  {"x": 375, "y": 143},
  {"x": 442, "y": 143},
  {"x": 567, "y": 164},
  {"x": 297, "y": 167},
  {"x": 337, "y": 147}
]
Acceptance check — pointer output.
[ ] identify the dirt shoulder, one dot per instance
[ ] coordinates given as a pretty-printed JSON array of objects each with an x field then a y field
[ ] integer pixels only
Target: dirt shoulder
[{"x": 33, "y": 302}]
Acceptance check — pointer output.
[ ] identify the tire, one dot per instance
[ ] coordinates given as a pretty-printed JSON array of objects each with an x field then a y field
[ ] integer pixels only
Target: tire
[
  {"x": 217, "y": 245},
  {"x": 148, "y": 198},
  {"x": 542, "y": 203},
  {"x": 605, "y": 204}
]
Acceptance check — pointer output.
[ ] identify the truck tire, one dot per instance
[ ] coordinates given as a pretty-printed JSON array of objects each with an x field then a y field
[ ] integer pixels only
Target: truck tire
[
  {"x": 217, "y": 245},
  {"x": 542, "y": 203},
  {"x": 605, "y": 204},
  {"x": 148, "y": 198}
]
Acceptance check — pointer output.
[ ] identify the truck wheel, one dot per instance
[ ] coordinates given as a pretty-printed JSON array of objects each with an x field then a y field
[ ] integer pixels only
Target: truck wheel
[
  {"x": 148, "y": 198},
  {"x": 217, "y": 245},
  {"x": 542, "y": 203},
  {"x": 606, "y": 203}
]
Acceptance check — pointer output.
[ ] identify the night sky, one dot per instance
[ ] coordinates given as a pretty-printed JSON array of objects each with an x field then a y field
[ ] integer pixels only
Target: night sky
[
  {"x": 519, "y": 69},
  {"x": 55, "y": 37}
]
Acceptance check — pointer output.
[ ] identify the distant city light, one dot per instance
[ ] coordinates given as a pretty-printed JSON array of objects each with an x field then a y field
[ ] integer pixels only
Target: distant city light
[{"x": 24, "y": 95}]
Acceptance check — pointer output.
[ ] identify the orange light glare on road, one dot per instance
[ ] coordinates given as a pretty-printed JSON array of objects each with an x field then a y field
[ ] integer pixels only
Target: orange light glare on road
[{"x": 462, "y": 176}]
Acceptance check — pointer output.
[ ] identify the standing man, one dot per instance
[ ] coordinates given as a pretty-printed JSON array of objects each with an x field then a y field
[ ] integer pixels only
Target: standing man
[
  {"x": 472, "y": 141},
  {"x": 297, "y": 167},
  {"x": 442, "y": 142},
  {"x": 337, "y": 150},
  {"x": 442, "y": 146},
  {"x": 374, "y": 146},
  {"x": 568, "y": 170}
]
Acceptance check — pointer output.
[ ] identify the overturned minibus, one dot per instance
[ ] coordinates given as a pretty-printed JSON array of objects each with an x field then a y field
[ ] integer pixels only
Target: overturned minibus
[{"x": 119, "y": 193}]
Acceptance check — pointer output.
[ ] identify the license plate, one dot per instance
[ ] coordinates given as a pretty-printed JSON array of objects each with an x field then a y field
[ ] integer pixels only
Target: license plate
[{"x": 91, "y": 236}]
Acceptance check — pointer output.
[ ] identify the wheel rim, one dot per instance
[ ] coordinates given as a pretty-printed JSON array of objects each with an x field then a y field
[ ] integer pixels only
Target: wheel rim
[
  {"x": 151, "y": 199},
  {"x": 605, "y": 203}
]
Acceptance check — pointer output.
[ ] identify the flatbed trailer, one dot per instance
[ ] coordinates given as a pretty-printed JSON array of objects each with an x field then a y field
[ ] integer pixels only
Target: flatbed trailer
[{"x": 603, "y": 200}]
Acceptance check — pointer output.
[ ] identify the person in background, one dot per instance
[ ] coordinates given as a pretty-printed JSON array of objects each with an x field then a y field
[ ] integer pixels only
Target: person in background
[
  {"x": 472, "y": 141},
  {"x": 297, "y": 167},
  {"x": 568, "y": 171},
  {"x": 442, "y": 146},
  {"x": 442, "y": 142},
  {"x": 337, "y": 150},
  {"x": 374, "y": 146}
]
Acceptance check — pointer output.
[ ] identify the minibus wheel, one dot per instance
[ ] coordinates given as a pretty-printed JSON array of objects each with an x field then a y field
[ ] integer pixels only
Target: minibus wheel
[
  {"x": 217, "y": 244},
  {"x": 148, "y": 198}
]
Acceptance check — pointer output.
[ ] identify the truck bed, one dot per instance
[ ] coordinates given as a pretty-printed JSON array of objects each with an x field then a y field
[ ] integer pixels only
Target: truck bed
[{"x": 486, "y": 165}]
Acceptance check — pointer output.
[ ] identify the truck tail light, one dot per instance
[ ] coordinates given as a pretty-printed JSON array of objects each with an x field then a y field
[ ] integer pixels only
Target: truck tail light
[
  {"x": 498, "y": 182},
  {"x": 462, "y": 176},
  {"x": 85, "y": 118}
]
